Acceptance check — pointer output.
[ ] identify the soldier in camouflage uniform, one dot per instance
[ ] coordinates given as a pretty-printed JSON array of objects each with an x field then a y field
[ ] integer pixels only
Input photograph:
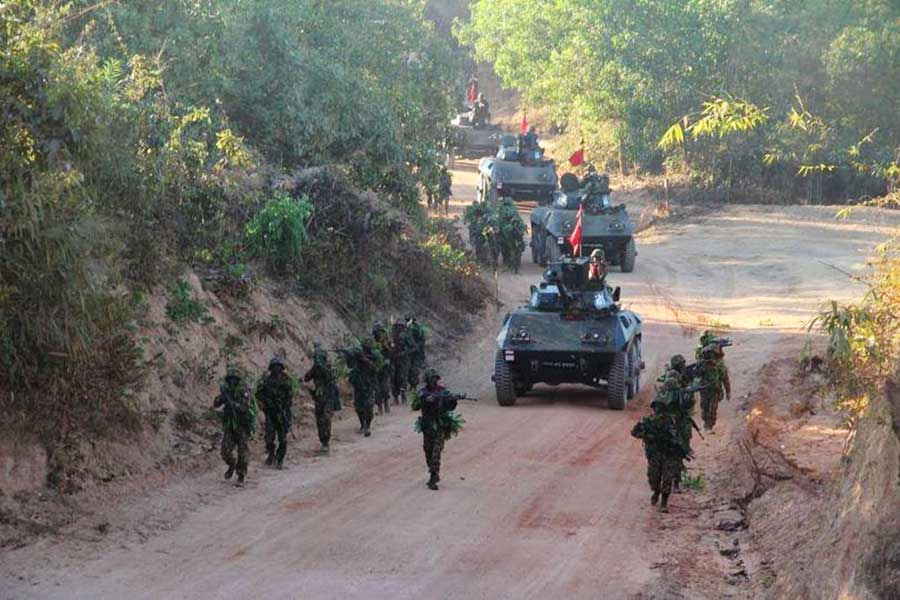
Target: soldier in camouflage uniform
[
  {"x": 663, "y": 449},
  {"x": 384, "y": 376},
  {"x": 402, "y": 347},
  {"x": 679, "y": 400},
  {"x": 417, "y": 357},
  {"x": 713, "y": 375},
  {"x": 325, "y": 394},
  {"x": 238, "y": 422},
  {"x": 364, "y": 364},
  {"x": 275, "y": 392},
  {"x": 434, "y": 402}
]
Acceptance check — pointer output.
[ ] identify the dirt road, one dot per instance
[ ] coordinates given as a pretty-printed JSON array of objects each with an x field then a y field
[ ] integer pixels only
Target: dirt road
[{"x": 543, "y": 500}]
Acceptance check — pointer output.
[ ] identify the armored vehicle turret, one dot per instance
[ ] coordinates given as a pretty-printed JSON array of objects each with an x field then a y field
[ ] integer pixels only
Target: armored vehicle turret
[
  {"x": 603, "y": 225},
  {"x": 471, "y": 140},
  {"x": 571, "y": 331}
]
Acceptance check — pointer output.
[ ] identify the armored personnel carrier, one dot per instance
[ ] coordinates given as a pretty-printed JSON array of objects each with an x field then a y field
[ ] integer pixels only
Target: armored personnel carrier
[
  {"x": 571, "y": 331},
  {"x": 603, "y": 225},
  {"x": 517, "y": 175},
  {"x": 471, "y": 141}
]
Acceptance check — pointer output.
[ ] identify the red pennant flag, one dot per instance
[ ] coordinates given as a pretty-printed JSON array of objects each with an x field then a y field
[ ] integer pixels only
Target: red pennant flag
[
  {"x": 473, "y": 91},
  {"x": 524, "y": 121},
  {"x": 575, "y": 238},
  {"x": 577, "y": 157}
]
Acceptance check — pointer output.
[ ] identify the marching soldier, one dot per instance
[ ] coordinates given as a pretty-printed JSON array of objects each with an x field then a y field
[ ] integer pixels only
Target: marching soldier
[
  {"x": 325, "y": 395},
  {"x": 238, "y": 422},
  {"x": 436, "y": 422},
  {"x": 275, "y": 392}
]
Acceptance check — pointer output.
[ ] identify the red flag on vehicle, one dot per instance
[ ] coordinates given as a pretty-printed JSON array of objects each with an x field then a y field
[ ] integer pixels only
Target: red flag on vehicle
[
  {"x": 575, "y": 238},
  {"x": 524, "y": 121},
  {"x": 472, "y": 94},
  {"x": 577, "y": 157}
]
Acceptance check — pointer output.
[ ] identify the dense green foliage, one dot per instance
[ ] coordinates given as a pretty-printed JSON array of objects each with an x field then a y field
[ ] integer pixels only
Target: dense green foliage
[
  {"x": 825, "y": 74},
  {"x": 137, "y": 137},
  {"x": 278, "y": 231}
]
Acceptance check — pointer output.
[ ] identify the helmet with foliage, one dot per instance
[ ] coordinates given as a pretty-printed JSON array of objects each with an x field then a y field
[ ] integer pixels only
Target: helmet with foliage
[
  {"x": 319, "y": 355},
  {"x": 707, "y": 338},
  {"x": 276, "y": 362},
  {"x": 233, "y": 373},
  {"x": 378, "y": 329},
  {"x": 677, "y": 362},
  {"x": 431, "y": 375}
]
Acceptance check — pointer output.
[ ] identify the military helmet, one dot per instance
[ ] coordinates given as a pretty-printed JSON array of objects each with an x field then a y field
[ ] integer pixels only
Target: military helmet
[
  {"x": 481, "y": 97},
  {"x": 378, "y": 328},
  {"x": 598, "y": 254},
  {"x": 707, "y": 338},
  {"x": 431, "y": 374},
  {"x": 677, "y": 362},
  {"x": 277, "y": 361},
  {"x": 232, "y": 372},
  {"x": 591, "y": 169},
  {"x": 398, "y": 322}
]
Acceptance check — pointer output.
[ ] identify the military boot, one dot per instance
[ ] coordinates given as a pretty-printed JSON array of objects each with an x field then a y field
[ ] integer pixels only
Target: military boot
[
  {"x": 279, "y": 464},
  {"x": 229, "y": 472},
  {"x": 380, "y": 409},
  {"x": 664, "y": 505},
  {"x": 433, "y": 481},
  {"x": 654, "y": 498},
  {"x": 240, "y": 480},
  {"x": 367, "y": 432},
  {"x": 387, "y": 405},
  {"x": 270, "y": 459}
]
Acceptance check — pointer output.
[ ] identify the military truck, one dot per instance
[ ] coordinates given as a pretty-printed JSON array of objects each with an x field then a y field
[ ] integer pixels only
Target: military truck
[
  {"x": 571, "y": 331},
  {"x": 517, "y": 175},
  {"x": 603, "y": 225},
  {"x": 470, "y": 141}
]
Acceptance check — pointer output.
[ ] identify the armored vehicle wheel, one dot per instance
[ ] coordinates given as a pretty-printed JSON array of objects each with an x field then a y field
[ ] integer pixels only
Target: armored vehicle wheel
[
  {"x": 617, "y": 382},
  {"x": 535, "y": 253},
  {"x": 637, "y": 366},
  {"x": 628, "y": 257},
  {"x": 551, "y": 249},
  {"x": 634, "y": 370},
  {"x": 503, "y": 381}
]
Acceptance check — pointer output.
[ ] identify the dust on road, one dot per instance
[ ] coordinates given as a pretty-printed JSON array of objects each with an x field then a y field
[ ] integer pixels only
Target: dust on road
[{"x": 543, "y": 500}]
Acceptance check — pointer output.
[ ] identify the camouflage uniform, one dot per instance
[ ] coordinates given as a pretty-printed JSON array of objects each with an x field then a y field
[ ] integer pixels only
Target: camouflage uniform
[
  {"x": 713, "y": 375},
  {"x": 402, "y": 347},
  {"x": 417, "y": 356},
  {"x": 325, "y": 395},
  {"x": 384, "y": 376},
  {"x": 238, "y": 423},
  {"x": 433, "y": 434},
  {"x": 364, "y": 365},
  {"x": 275, "y": 392},
  {"x": 664, "y": 452}
]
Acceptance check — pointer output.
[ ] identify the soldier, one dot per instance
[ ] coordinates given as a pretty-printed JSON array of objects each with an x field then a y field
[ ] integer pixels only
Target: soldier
[
  {"x": 402, "y": 347},
  {"x": 275, "y": 392},
  {"x": 384, "y": 374},
  {"x": 713, "y": 376},
  {"x": 678, "y": 368},
  {"x": 364, "y": 363},
  {"x": 445, "y": 189},
  {"x": 417, "y": 356},
  {"x": 597, "y": 268},
  {"x": 481, "y": 112},
  {"x": 663, "y": 449},
  {"x": 325, "y": 395},
  {"x": 238, "y": 422},
  {"x": 679, "y": 400},
  {"x": 435, "y": 402}
]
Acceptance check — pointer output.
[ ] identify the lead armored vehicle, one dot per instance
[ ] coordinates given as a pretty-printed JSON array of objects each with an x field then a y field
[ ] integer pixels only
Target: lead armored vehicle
[
  {"x": 471, "y": 141},
  {"x": 603, "y": 225},
  {"x": 516, "y": 173},
  {"x": 571, "y": 331}
]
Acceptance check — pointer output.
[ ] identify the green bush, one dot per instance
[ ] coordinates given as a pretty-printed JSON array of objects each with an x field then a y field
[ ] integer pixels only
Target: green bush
[
  {"x": 278, "y": 232},
  {"x": 183, "y": 307}
]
